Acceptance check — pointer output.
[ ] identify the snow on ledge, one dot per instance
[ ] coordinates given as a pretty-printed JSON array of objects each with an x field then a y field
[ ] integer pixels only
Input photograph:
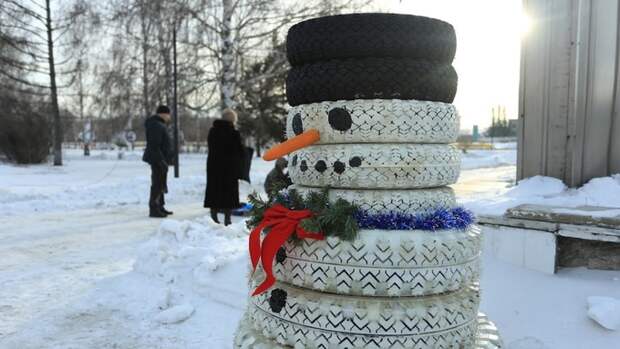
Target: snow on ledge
[{"x": 541, "y": 190}]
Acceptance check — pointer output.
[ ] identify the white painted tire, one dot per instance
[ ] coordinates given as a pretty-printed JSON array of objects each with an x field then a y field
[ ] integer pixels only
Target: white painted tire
[
  {"x": 384, "y": 263},
  {"x": 247, "y": 337},
  {"x": 406, "y": 201},
  {"x": 376, "y": 121},
  {"x": 375, "y": 166},
  {"x": 434, "y": 321}
]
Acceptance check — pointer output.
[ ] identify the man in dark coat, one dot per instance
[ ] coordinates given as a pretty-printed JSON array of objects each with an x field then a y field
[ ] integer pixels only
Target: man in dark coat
[
  {"x": 158, "y": 154},
  {"x": 224, "y": 164}
]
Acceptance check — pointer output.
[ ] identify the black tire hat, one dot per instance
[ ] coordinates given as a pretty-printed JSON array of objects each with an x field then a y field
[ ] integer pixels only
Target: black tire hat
[
  {"x": 364, "y": 35},
  {"x": 371, "y": 78}
]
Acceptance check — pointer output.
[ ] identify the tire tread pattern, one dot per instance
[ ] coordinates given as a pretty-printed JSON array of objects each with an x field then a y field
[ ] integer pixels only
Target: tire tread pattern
[
  {"x": 370, "y": 35},
  {"x": 248, "y": 337},
  {"x": 371, "y": 78}
]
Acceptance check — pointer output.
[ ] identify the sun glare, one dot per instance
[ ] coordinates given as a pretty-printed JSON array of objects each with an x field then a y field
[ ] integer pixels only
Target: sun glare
[
  {"x": 525, "y": 24},
  {"x": 489, "y": 36}
]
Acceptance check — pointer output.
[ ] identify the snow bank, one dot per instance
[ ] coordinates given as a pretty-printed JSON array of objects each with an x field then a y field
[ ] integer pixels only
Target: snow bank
[
  {"x": 603, "y": 191},
  {"x": 183, "y": 255},
  {"x": 537, "y": 186},
  {"x": 187, "y": 289},
  {"x": 199, "y": 246},
  {"x": 605, "y": 311},
  {"x": 199, "y": 242}
]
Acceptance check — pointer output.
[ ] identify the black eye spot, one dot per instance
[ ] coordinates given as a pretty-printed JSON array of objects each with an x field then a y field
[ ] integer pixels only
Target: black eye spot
[
  {"x": 304, "y": 166},
  {"x": 277, "y": 301},
  {"x": 281, "y": 255},
  {"x": 298, "y": 126},
  {"x": 295, "y": 160},
  {"x": 320, "y": 166},
  {"x": 340, "y": 119},
  {"x": 355, "y": 161},
  {"x": 339, "y": 167}
]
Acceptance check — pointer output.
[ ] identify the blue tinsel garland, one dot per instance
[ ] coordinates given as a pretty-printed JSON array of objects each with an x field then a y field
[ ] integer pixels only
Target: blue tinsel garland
[
  {"x": 440, "y": 219},
  {"x": 454, "y": 218}
]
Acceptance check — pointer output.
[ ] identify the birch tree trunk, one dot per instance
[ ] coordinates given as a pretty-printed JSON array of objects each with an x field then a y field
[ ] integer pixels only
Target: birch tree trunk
[
  {"x": 53, "y": 89},
  {"x": 146, "y": 103},
  {"x": 85, "y": 137},
  {"x": 227, "y": 79}
]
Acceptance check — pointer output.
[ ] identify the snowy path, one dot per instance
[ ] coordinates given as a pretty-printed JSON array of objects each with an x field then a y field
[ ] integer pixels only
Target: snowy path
[
  {"x": 484, "y": 182},
  {"x": 50, "y": 259}
]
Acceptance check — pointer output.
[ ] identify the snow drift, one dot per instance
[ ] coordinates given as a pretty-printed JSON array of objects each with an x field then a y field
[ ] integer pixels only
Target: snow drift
[{"x": 603, "y": 191}]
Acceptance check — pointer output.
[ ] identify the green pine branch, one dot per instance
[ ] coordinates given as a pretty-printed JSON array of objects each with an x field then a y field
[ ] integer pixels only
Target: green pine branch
[{"x": 331, "y": 219}]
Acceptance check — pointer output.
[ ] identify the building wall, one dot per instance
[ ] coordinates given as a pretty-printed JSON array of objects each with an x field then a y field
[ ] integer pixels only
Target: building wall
[{"x": 569, "y": 127}]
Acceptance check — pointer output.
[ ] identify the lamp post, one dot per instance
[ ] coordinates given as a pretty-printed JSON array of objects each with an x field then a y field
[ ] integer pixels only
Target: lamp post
[{"x": 174, "y": 102}]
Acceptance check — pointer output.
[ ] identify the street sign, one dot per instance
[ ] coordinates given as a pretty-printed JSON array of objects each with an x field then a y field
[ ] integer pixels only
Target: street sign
[{"x": 130, "y": 136}]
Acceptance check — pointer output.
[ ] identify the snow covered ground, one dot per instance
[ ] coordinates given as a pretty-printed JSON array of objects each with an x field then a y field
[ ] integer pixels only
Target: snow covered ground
[
  {"x": 83, "y": 267},
  {"x": 504, "y": 156},
  {"x": 102, "y": 181}
]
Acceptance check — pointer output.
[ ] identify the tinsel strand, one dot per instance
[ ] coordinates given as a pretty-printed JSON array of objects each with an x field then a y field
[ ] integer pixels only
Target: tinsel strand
[{"x": 440, "y": 219}]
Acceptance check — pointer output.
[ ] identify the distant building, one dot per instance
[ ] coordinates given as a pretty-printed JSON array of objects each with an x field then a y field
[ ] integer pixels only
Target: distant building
[{"x": 475, "y": 136}]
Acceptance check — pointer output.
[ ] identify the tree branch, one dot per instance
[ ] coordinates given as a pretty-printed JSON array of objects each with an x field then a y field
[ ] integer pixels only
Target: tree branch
[
  {"x": 27, "y": 11},
  {"x": 22, "y": 81}
]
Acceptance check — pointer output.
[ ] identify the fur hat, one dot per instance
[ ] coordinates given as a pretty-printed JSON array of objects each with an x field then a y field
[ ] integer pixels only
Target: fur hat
[{"x": 163, "y": 109}]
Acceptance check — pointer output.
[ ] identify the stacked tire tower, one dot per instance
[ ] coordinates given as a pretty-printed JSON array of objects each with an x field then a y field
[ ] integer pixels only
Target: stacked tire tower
[{"x": 378, "y": 88}]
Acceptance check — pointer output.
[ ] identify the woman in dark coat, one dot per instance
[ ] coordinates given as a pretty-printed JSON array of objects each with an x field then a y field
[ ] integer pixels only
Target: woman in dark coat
[{"x": 223, "y": 166}]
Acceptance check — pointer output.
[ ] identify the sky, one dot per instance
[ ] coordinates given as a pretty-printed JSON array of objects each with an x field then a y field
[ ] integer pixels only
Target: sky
[{"x": 488, "y": 33}]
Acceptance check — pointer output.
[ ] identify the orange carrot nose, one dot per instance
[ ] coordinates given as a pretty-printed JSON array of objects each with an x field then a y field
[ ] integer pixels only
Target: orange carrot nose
[{"x": 300, "y": 141}]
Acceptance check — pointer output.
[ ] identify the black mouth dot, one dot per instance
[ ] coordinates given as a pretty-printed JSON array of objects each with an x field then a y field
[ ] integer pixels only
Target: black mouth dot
[
  {"x": 355, "y": 161},
  {"x": 320, "y": 166},
  {"x": 339, "y": 119},
  {"x": 303, "y": 166},
  {"x": 339, "y": 167},
  {"x": 295, "y": 160}
]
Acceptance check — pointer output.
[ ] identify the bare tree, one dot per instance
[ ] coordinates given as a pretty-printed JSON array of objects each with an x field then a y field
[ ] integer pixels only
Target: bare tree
[
  {"x": 35, "y": 34},
  {"x": 81, "y": 38},
  {"x": 218, "y": 41},
  {"x": 53, "y": 88},
  {"x": 141, "y": 50},
  {"x": 244, "y": 29}
]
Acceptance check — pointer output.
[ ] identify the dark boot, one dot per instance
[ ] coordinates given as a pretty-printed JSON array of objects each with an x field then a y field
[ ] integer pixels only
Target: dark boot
[
  {"x": 156, "y": 213},
  {"x": 156, "y": 198},
  {"x": 162, "y": 200},
  {"x": 214, "y": 216},
  {"x": 227, "y": 220}
]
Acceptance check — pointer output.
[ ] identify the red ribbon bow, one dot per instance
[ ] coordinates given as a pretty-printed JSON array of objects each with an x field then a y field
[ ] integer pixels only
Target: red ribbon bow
[{"x": 283, "y": 223}]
